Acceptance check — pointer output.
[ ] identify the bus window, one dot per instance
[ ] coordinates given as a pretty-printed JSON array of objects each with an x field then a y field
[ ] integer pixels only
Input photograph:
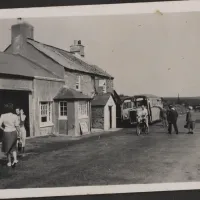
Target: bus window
[
  {"x": 127, "y": 105},
  {"x": 124, "y": 106},
  {"x": 140, "y": 101}
]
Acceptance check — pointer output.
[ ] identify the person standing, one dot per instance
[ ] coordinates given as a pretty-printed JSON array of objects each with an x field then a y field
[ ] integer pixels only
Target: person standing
[
  {"x": 190, "y": 120},
  {"x": 163, "y": 116},
  {"x": 11, "y": 130},
  {"x": 22, "y": 130},
  {"x": 19, "y": 144},
  {"x": 172, "y": 119},
  {"x": 144, "y": 114},
  {"x": 22, "y": 137}
]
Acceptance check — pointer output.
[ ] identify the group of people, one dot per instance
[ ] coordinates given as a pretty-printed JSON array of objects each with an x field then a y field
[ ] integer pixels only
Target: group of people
[
  {"x": 14, "y": 133},
  {"x": 170, "y": 116}
]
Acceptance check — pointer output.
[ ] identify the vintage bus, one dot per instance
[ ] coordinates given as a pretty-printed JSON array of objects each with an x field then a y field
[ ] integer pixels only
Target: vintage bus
[{"x": 132, "y": 105}]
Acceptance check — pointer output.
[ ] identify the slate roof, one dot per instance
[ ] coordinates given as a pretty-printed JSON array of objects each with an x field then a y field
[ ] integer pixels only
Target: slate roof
[
  {"x": 70, "y": 94},
  {"x": 101, "y": 100},
  {"x": 67, "y": 59},
  {"x": 18, "y": 65}
]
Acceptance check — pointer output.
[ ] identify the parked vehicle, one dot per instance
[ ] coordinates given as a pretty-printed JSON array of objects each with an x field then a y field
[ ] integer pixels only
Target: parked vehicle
[{"x": 132, "y": 105}]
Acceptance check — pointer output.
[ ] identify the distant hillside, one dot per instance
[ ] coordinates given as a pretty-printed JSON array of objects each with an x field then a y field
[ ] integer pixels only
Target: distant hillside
[{"x": 193, "y": 101}]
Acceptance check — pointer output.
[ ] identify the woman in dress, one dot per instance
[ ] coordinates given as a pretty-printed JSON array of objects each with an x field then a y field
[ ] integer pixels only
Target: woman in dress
[
  {"x": 22, "y": 130},
  {"x": 11, "y": 130}
]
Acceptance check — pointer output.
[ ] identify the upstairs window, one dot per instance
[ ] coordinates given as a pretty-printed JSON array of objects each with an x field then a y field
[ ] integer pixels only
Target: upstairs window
[
  {"x": 102, "y": 84},
  {"x": 83, "y": 109},
  {"x": 78, "y": 83}
]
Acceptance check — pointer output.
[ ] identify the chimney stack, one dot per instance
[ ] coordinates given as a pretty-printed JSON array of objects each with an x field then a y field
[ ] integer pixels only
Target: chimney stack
[
  {"x": 23, "y": 29},
  {"x": 77, "y": 47},
  {"x": 19, "y": 33}
]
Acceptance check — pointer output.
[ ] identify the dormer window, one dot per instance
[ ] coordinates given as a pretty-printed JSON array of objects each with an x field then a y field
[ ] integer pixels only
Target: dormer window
[
  {"x": 78, "y": 83},
  {"x": 102, "y": 84}
]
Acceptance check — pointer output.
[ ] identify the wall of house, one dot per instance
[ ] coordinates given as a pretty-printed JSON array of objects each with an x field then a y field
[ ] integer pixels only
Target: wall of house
[
  {"x": 9, "y": 83},
  {"x": 87, "y": 83},
  {"x": 44, "y": 90},
  {"x": 30, "y": 52},
  {"x": 109, "y": 85},
  {"x": 98, "y": 117},
  {"x": 31, "y": 115},
  {"x": 106, "y": 114},
  {"x": 56, "y": 115}
]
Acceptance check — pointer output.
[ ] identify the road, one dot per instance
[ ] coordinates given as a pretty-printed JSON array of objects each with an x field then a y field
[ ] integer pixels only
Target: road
[{"x": 115, "y": 158}]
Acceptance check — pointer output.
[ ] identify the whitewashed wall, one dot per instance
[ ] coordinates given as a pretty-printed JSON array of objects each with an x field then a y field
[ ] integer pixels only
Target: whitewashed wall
[{"x": 106, "y": 114}]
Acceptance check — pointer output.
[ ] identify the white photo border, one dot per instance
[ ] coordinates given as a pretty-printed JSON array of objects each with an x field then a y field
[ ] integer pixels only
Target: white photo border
[
  {"x": 102, "y": 10},
  {"x": 99, "y": 10}
]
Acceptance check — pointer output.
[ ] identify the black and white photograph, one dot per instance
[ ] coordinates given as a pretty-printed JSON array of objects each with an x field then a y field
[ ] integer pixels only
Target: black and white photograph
[{"x": 100, "y": 100}]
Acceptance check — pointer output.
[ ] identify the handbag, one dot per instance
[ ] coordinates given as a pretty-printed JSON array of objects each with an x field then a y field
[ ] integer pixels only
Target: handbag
[{"x": 19, "y": 146}]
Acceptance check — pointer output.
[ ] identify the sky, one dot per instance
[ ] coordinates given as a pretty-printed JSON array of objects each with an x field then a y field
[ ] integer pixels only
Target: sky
[{"x": 146, "y": 53}]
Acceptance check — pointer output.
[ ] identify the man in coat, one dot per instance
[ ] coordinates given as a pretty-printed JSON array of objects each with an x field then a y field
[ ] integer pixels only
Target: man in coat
[{"x": 172, "y": 119}]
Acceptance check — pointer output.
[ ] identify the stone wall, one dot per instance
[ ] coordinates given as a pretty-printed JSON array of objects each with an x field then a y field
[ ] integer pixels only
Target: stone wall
[{"x": 98, "y": 117}]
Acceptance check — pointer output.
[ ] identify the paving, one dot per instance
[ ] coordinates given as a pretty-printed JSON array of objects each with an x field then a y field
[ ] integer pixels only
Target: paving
[{"x": 117, "y": 157}]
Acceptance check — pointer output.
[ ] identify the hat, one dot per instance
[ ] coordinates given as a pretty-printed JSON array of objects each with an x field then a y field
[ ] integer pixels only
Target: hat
[
  {"x": 170, "y": 106},
  {"x": 190, "y": 107}
]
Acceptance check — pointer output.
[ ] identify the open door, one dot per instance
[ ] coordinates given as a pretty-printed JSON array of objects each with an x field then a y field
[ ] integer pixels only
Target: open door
[{"x": 18, "y": 99}]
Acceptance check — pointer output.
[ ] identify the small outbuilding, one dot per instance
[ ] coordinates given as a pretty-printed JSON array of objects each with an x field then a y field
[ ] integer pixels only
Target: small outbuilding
[
  {"x": 72, "y": 110},
  {"x": 103, "y": 112}
]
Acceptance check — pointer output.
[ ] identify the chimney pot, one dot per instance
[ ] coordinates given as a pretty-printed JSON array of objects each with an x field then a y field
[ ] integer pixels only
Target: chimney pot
[
  {"x": 77, "y": 48},
  {"x": 75, "y": 42}
]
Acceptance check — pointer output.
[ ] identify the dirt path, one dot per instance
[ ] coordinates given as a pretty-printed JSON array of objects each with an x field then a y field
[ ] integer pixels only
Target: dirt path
[{"x": 117, "y": 158}]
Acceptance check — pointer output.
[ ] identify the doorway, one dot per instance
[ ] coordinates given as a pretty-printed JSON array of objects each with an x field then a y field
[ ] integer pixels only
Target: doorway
[
  {"x": 110, "y": 116},
  {"x": 18, "y": 99},
  {"x": 63, "y": 128}
]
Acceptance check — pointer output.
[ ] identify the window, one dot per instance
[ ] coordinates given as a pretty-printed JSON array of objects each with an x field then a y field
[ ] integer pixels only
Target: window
[
  {"x": 63, "y": 109},
  {"x": 102, "y": 83},
  {"x": 140, "y": 101},
  {"x": 83, "y": 109},
  {"x": 127, "y": 105},
  {"x": 78, "y": 83},
  {"x": 45, "y": 113}
]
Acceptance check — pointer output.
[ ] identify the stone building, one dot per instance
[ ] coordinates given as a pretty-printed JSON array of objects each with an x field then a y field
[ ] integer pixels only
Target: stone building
[{"x": 55, "y": 87}]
